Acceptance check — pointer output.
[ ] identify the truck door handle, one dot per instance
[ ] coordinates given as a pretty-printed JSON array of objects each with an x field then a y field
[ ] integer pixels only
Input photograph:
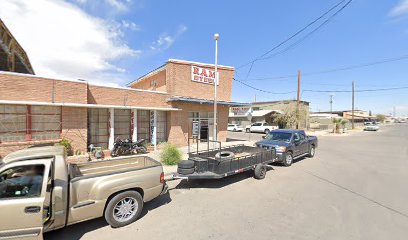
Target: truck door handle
[{"x": 32, "y": 209}]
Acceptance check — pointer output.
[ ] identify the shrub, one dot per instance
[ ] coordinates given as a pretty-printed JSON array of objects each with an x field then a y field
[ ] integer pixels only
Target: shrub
[
  {"x": 67, "y": 144},
  {"x": 170, "y": 154}
]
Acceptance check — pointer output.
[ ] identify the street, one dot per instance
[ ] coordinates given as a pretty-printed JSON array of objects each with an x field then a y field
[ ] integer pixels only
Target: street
[{"x": 354, "y": 188}]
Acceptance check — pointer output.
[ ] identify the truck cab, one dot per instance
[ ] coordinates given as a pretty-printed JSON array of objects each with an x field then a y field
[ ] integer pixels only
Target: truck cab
[
  {"x": 41, "y": 192},
  {"x": 290, "y": 144}
]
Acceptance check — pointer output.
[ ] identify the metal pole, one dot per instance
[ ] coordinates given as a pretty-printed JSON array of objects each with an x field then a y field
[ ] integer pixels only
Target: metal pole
[
  {"x": 298, "y": 102},
  {"x": 216, "y": 36},
  {"x": 352, "y": 106}
]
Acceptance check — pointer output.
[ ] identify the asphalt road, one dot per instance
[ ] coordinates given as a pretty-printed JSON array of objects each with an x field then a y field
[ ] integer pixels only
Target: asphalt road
[{"x": 354, "y": 188}]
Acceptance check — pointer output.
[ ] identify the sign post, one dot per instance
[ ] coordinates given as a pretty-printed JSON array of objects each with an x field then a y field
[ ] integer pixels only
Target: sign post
[{"x": 249, "y": 117}]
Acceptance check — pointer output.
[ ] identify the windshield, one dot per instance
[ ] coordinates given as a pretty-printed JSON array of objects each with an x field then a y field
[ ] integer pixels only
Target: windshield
[{"x": 278, "y": 136}]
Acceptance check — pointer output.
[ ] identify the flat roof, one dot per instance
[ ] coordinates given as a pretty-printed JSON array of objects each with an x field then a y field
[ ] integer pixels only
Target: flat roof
[
  {"x": 204, "y": 101},
  {"x": 278, "y": 101}
]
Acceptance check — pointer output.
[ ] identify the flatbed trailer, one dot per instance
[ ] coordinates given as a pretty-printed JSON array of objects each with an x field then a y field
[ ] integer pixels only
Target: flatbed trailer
[{"x": 221, "y": 162}]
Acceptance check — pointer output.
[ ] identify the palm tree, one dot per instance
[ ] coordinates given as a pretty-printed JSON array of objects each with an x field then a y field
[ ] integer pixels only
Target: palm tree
[{"x": 337, "y": 122}]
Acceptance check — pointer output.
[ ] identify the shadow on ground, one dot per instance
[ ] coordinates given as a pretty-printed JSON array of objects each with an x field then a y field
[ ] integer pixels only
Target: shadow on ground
[{"x": 77, "y": 231}]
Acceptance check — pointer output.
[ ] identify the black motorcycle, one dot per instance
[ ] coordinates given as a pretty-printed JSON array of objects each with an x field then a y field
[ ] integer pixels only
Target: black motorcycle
[{"x": 127, "y": 147}]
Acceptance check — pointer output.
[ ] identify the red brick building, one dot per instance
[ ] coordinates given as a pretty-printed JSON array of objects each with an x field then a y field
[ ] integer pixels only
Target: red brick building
[{"x": 171, "y": 103}]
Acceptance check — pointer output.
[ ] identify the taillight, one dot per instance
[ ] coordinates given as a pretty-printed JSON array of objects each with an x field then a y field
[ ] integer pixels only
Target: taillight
[{"x": 162, "y": 177}]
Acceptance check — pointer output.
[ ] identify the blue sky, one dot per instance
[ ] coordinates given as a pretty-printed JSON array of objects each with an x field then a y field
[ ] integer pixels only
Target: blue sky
[{"x": 142, "y": 35}]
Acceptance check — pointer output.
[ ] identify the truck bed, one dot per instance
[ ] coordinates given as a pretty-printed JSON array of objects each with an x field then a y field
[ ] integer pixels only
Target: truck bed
[{"x": 106, "y": 167}]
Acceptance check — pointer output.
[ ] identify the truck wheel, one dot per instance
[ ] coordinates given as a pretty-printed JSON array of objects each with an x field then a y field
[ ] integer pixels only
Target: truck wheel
[
  {"x": 260, "y": 171},
  {"x": 288, "y": 160},
  {"x": 247, "y": 130},
  {"x": 312, "y": 151},
  {"x": 267, "y": 131},
  {"x": 124, "y": 209}
]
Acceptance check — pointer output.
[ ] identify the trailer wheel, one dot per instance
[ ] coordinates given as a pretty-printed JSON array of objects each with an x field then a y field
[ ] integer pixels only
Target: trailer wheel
[
  {"x": 186, "y": 164},
  {"x": 260, "y": 171},
  {"x": 185, "y": 171},
  {"x": 124, "y": 209}
]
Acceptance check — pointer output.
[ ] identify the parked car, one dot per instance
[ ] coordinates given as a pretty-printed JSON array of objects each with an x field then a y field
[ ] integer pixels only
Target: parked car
[
  {"x": 260, "y": 127},
  {"x": 235, "y": 128},
  {"x": 41, "y": 192},
  {"x": 371, "y": 127},
  {"x": 289, "y": 144}
]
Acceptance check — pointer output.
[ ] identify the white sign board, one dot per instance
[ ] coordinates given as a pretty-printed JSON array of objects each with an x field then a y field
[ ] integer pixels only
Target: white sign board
[
  {"x": 203, "y": 75},
  {"x": 240, "y": 111}
]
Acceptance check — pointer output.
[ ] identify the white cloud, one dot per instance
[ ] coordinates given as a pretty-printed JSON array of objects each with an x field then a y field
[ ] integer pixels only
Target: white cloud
[
  {"x": 400, "y": 9},
  {"x": 63, "y": 41},
  {"x": 165, "y": 40},
  {"x": 118, "y": 4},
  {"x": 130, "y": 25}
]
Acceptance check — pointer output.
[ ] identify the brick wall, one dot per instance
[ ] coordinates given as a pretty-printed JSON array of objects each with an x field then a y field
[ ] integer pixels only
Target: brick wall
[
  {"x": 178, "y": 124},
  {"x": 29, "y": 88},
  {"x": 179, "y": 82},
  {"x": 159, "y": 77},
  {"x": 74, "y": 127},
  {"x": 118, "y": 96}
]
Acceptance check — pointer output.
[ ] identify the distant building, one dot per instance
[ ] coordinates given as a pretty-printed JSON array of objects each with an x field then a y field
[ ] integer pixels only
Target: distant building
[
  {"x": 13, "y": 58},
  {"x": 266, "y": 112}
]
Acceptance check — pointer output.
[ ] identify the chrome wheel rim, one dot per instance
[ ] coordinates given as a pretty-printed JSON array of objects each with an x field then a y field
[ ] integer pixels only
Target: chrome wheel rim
[
  {"x": 312, "y": 151},
  {"x": 288, "y": 159},
  {"x": 125, "y": 209}
]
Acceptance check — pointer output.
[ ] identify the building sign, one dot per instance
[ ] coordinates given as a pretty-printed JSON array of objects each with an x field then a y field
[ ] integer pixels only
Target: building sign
[
  {"x": 240, "y": 111},
  {"x": 153, "y": 127},
  {"x": 203, "y": 75},
  {"x": 195, "y": 129}
]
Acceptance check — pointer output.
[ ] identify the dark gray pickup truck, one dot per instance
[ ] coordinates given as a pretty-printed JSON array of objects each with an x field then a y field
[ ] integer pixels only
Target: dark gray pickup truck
[{"x": 289, "y": 144}]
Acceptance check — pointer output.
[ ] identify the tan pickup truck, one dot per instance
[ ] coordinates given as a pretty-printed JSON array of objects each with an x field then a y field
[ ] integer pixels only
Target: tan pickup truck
[{"x": 41, "y": 192}]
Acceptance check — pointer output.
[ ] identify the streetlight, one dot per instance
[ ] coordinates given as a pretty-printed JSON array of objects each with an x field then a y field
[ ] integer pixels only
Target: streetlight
[{"x": 216, "y": 37}]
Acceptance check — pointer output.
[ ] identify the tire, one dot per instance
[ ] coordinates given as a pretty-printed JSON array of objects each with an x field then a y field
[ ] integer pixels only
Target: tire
[
  {"x": 186, "y": 164},
  {"x": 312, "y": 151},
  {"x": 115, "y": 152},
  {"x": 288, "y": 160},
  {"x": 267, "y": 131},
  {"x": 260, "y": 171},
  {"x": 247, "y": 130},
  {"x": 123, "y": 202},
  {"x": 142, "y": 150},
  {"x": 185, "y": 171},
  {"x": 224, "y": 155},
  {"x": 234, "y": 130}
]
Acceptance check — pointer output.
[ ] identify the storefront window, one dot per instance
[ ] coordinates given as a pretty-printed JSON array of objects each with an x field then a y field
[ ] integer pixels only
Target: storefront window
[
  {"x": 161, "y": 126},
  {"x": 122, "y": 123},
  {"x": 143, "y": 125},
  {"x": 98, "y": 127},
  {"x": 27, "y": 123}
]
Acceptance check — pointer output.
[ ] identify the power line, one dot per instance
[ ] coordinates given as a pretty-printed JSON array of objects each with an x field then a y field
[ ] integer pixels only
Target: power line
[
  {"x": 261, "y": 90},
  {"x": 292, "y": 36},
  {"x": 361, "y": 90},
  {"x": 356, "y": 66},
  {"x": 310, "y": 33}
]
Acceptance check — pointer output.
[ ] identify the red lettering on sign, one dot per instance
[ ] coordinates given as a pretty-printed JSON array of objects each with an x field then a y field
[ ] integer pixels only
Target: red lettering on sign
[
  {"x": 212, "y": 74},
  {"x": 196, "y": 70},
  {"x": 204, "y": 73}
]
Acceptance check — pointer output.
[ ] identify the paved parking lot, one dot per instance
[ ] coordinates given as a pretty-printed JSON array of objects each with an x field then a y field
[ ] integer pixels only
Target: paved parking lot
[{"x": 354, "y": 188}]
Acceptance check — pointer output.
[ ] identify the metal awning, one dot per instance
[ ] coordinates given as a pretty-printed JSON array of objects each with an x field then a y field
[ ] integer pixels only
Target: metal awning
[{"x": 205, "y": 101}]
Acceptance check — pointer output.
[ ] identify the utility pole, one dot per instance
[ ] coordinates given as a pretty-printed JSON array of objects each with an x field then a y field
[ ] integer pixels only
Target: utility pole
[
  {"x": 352, "y": 105},
  {"x": 331, "y": 104},
  {"x": 298, "y": 102}
]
